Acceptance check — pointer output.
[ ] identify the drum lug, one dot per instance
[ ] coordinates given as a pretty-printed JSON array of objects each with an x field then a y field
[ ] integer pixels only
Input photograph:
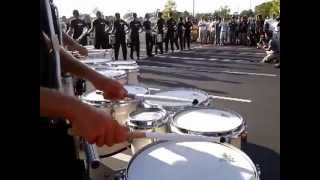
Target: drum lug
[{"x": 118, "y": 175}]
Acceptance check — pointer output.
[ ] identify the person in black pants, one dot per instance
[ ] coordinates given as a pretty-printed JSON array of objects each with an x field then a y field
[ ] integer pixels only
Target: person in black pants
[
  {"x": 160, "y": 26},
  {"x": 135, "y": 27},
  {"x": 100, "y": 37},
  {"x": 78, "y": 29},
  {"x": 171, "y": 25},
  {"x": 119, "y": 31},
  {"x": 180, "y": 33},
  {"x": 187, "y": 32},
  {"x": 149, "y": 38}
]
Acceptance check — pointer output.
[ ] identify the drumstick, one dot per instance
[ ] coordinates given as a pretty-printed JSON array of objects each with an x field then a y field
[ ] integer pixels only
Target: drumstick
[
  {"x": 168, "y": 98},
  {"x": 170, "y": 136}
]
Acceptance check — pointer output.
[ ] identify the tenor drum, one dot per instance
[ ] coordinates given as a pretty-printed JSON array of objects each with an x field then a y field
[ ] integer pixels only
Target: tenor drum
[
  {"x": 147, "y": 120},
  {"x": 225, "y": 126},
  {"x": 171, "y": 160},
  {"x": 131, "y": 68},
  {"x": 175, "y": 106}
]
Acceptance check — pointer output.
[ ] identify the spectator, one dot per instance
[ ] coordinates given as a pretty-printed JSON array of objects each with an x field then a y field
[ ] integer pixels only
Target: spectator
[
  {"x": 223, "y": 32},
  {"x": 218, "y": 28},
  {"x": 232, "y": 30},
  {"x": 202, "y": 30},
  {"x": 243, "y": 29},
  {"x": 272, "y": 50}
]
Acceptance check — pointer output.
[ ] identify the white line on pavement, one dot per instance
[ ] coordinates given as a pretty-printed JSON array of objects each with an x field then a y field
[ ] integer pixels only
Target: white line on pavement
[
  {"x": 231, "y": 99},
  {"x": 247, "y": 73}
]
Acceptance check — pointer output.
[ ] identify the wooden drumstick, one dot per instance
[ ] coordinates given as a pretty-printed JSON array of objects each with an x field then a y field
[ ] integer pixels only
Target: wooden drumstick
[{"x": 170, "y": 136}]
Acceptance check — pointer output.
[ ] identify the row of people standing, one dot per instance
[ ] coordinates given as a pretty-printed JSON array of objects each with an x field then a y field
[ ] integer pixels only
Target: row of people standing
[
  {"x": 234, "y": 31},
  {"x": 178, "y": 34}
]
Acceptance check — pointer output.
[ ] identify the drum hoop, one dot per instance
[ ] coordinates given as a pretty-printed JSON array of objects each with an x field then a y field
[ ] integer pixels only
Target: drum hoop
[
  {"x": 230, "y": 133},
  {"x": 178, "y": 108},
  {"x": 224, "y": 144},
  {"x": 133, "y": 123}
]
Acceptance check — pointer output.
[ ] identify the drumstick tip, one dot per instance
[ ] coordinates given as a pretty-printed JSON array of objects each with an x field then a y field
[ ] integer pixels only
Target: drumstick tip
[{"x": 195, "y": 102}]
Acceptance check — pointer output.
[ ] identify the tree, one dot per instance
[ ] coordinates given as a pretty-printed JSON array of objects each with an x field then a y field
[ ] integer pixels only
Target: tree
[
  {"x": 248, "y": 13},
  {"x": 224, "y": 12},
  {"x": 268, "y": 8},
  {"x": 169, "y": 7}
]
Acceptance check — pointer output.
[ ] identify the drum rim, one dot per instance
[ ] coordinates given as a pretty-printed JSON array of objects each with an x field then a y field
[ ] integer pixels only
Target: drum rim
[
  {"x": 235, "y": 130},
  {"x": 139, "y": 85},
  {"x": 118, "y": 77},
  {"x": 143, "y": 124},
  {"x": 243, "y": 154},
  {"x": 173, "y": 108}
]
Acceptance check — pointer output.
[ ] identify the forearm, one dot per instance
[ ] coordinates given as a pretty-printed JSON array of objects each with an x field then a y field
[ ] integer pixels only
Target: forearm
[
  {"x": 70, "y": 42},
  {"x": 57, "y": 105}
]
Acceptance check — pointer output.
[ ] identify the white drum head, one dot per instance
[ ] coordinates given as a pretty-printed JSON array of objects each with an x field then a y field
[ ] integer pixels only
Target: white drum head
[
  {"x": 96, "y": 61},
  {"x": 179, "y": 93},
  {"x": 191, "y": 161},
  {"x": 125, "y": 67},
  {"x": 114, "y": 74},
  {"x": 94, "y": 97},
  {"x": 117, "y": 63},
  {"x": 207, "y": 120},
  {"x": 132, "y": 89}
]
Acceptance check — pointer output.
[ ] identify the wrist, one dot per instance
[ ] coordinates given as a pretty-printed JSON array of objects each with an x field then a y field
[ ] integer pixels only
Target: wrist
[{"x": 73, "y": 107}]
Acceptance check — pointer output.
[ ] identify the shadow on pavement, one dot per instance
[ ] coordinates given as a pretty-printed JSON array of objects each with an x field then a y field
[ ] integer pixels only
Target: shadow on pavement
[{"x": 268, "y": 160}]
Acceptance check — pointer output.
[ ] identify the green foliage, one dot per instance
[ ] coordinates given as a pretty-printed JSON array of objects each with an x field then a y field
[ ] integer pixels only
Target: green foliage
[
  {"x": 169, "y": 7},
  {"x": 268, "y": 8}
]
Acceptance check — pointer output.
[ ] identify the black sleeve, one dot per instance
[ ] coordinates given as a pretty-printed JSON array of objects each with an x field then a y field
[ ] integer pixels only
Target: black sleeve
[{"x": 72, "y": 24}]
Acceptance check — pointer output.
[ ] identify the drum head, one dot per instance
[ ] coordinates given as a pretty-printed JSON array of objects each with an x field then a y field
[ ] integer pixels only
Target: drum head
[
  {"x": 180, "y": 93},
  {"x": 94, "y": 97},
  {"x": 206, "y": 120},
  {"x": 114, "y": 74},
  {"x": 191, "y": 161},
  {"x": 117, "y": 63},
  {"x": 96, "y": 61},
  {"x": 133, "y": 89}
]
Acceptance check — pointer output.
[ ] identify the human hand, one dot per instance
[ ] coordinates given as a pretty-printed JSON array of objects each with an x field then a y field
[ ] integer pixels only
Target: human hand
[
  {"x": 96, "y": 126},
  {"x": 112, "y": 89}
]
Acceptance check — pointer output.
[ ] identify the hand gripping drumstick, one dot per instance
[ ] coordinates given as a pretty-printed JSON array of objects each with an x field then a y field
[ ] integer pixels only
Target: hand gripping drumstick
[
  {"x": 170, "y": 136},
  {"x": 168, "y": 98}
]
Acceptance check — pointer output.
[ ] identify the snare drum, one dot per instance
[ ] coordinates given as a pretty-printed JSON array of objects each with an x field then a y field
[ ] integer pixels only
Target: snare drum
[
  {"x": 131, "y": 68},
  {"x": 120, "y": 110},
  {"x": 171, "y": 160},
  {"x": 226, "y": 126},
  {"x": 89, "y": 47},
  {"x": 159, "y": 38},
  {"x": 112, "y": 39},
  {"x": 119, "y": 75},
  {"x": 147, "y": 120},
  {"x": 175, "y": 106}
]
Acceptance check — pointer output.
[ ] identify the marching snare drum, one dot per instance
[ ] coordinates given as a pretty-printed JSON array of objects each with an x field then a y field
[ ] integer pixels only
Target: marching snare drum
[
  {"x": 120, "y": 109},
  {"x": 119, "y": 75},
  {"x": 171, "y": 160},
  {"x": 147, "y": 120},
  {"x": 112, "y": 39},
  {"x": 159, "y": 38},
  {"x": 174, "y": 106},
  {"x": 226, "y": 126},
  {"x": 131, "y": 67},
  {"x": 89, "y": 47}
]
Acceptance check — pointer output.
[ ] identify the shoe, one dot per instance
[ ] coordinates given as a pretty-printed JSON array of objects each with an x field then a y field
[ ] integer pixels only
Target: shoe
[
  {"x": 277, "y": 65},
  {"x": 131, "y": 57}
]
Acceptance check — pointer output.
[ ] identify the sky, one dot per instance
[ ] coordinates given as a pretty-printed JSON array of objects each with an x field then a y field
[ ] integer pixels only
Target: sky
[{"x": 110, "y": 7}]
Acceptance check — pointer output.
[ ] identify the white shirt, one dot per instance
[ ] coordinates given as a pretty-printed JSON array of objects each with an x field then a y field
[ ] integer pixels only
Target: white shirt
[{"x": 202, "y": 25}]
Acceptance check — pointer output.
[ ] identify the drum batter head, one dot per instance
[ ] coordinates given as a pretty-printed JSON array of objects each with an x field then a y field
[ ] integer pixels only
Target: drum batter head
[
  {"x": 117, "y": 63},
  {"x": 191, "y": 94},
  {"x": 191, "y": 161},
  {"x": 147, "y": 118},
  {"x": 133, "y": 89},
  {"x": 114, "y": 74},
  {"x": 207, "y": 120}
]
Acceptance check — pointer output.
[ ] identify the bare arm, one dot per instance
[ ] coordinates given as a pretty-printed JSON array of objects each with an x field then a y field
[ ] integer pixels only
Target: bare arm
[{"x": 73, "y": 45}]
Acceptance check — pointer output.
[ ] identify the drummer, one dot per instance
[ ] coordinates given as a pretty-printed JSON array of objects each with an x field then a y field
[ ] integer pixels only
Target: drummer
[
  {"x": 135, "y": 27},
  {"x": 120, "y": 33},
  {"x": 78, "y": 29},
  {"x": 149, "y": 38},
  {"x": 94, "y": 125},
  {"x": 99, "y": 26}
]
